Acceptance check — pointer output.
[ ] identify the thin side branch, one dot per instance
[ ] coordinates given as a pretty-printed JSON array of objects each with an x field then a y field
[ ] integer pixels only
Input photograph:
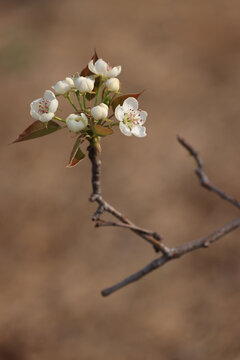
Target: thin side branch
[
  {"x": 128, "y": 226},
  {"x": 203, "y": 178},
  {"x": 150, "y": 236},
  {"x": 175, "y": 253},
  {"x": 155, "y": 237}
]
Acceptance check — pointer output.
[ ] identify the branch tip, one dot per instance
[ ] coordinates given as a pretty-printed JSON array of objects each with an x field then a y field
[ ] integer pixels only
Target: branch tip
[{"x": 150, "y": 236}]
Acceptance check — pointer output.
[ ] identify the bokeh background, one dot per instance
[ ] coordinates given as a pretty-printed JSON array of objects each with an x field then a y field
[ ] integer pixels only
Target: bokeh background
[{"x": 53, "y": 262}]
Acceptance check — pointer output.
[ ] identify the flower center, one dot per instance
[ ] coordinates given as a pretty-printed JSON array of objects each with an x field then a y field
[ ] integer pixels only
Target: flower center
[
  {"x": 132, "y": 119},
  {"x": 43, "y": 106}
]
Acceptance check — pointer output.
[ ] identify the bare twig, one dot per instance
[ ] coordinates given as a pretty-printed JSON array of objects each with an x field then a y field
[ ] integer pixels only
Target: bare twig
[
  {"x": 152, "y": 237},
  {"x": 203, "y": 178},
  {"x": 175, "y": 253},
  {"x": 155, "y": 235}
]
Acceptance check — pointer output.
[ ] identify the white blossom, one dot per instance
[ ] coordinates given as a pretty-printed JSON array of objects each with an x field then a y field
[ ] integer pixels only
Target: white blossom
[
  {"x": 100, "y": 111},
  {"x": 131, "y": 119},
  {"x": 104, "y": 69},
  {"x": 76, "y": 122},
  {"x": 44, "y": 109},
  {"x": 84, "y": 84},
  {"x": 63, "y": 86},
  {"x": 113, "y": 84}
]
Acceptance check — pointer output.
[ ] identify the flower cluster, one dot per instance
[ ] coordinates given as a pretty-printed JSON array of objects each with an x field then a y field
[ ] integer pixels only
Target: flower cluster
[{"x": 92, "y": 93}]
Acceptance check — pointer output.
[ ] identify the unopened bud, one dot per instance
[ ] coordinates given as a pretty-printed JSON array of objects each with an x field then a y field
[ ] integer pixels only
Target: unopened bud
[
  {"x": 113, "y": 84},
  {"x": 76, "y": 123},
  {"x": 100, "y": 112}
]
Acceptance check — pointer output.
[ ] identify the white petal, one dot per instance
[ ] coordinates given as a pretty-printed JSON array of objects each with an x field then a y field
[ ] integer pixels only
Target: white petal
[
  {"x": 119, "y": 113},
  {"x": 96, "y": 112},
  {"x": 114, "y": 72},
  {"x": 73, "y": 117},
  {"x": 104, "y": 108},
  {"x": 91, "y": 67},
  {"x": 70, "y": 82},
  {"x": 76, "y": 126},
  {"x": 81, "y": 84},
  {"x": 101, "y": 67},
  {"x": 143, "y": 117},
  {"x": 53, "y": 106},
  {"x": 34, "y": 114},
  {"x": 113, "y": 84},
  {"x": 139, "y": 131},
  {"x": 130, "y": 104},
  {"x": 84, "y": 84},
  {"x": 61, "y": 87},
  {"x": 84, "y": 119},
  {"x": 35, "y": 104},
  {"x": 49, "y": 95},
  {"x": 46, "y": 117},
  {"x": 125, "y": 129},
  {"x": 84, "y": 87},
  {"x": 90, "y": 83},
  {"x": 73, "y": 125}
]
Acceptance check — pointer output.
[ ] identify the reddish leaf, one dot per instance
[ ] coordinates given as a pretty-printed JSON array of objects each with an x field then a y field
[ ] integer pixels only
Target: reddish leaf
[
  {"x": 86, "y": 71},
  {"x": 120, "y": 99},
  {"x": 100, "y": 130},
  {"x": 37, "y": 129},
  {"x": 76, "y": 154}
]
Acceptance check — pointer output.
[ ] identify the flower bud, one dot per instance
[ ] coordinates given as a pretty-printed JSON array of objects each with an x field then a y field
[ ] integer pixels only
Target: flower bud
[
  {"x": 100, "y": 112},
  {"x": 76, "y": 123},
  {"x": 113, "y": 84},
  {"x": 84, "y": 84},
  {"x": 70, "y": 81},
  {"x": 63, "y": 86}
]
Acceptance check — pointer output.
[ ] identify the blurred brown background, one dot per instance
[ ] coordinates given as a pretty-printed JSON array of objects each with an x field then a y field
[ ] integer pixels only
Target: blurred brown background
[{"x": 53, "y": 263}]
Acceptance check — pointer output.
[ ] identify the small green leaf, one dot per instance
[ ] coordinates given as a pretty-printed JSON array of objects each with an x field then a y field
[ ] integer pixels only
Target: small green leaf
[
  {"x": 37, "y": 129},
  {"x": 86, "y": 71},
  {"x": 120, "y": 99},
  {"x": 76, "y": 154},
  {"x": 100, "y": 130}
]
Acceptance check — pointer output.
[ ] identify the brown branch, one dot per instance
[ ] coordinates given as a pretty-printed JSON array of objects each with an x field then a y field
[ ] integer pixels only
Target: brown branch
[
  {"x": 152, "y": 237},
  {"x": 155, "y": 237},
  {"x": 203, "y": 178},
  {"x": 175, "y": 253},
  {"x": 101, "y": 222}
]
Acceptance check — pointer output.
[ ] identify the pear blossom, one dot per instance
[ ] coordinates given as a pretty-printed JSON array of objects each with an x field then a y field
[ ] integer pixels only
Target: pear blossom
[
  {"x": 84, "y": 84},
  {"x": 100, "y": 111},
  {"x": 76, "y": 123},
  {"x": 104, "y": 69},
  {"x": 113, "y": 84},
  {"x": 63, "y": 86},
  {"x": 44, "y": 109},
  {"x": 131, "y": 119}
]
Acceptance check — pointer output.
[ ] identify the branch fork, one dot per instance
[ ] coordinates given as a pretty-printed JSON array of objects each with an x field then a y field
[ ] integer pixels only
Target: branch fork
[{"x": 152, "y": 237}]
